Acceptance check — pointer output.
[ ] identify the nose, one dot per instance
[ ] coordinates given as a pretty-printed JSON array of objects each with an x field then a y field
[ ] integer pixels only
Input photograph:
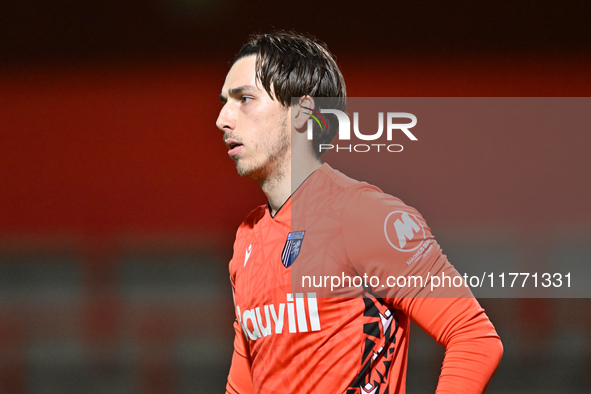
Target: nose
[{"x": 225, "y": 119}]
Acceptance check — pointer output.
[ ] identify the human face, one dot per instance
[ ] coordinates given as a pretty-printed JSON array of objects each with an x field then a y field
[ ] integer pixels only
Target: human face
[{"x": 255, "y": 126}]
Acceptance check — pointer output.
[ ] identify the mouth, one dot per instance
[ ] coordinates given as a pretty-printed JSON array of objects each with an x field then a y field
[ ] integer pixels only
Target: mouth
[{"x": 234, "y": 147}]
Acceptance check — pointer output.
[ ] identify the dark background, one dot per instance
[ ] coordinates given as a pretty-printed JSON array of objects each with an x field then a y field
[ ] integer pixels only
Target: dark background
[{"x": 118, "y": 204}]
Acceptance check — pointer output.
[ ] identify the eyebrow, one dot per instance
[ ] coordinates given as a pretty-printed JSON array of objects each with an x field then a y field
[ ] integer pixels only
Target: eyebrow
[{"x": 236, "y": 91}]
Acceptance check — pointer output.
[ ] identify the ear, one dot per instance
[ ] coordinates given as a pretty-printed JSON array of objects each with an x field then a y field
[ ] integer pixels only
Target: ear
[{"x": 301, "y": 112}]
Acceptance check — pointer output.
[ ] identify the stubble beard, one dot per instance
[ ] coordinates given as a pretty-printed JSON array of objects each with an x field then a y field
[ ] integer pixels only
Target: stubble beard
[{"x": 276, "y": 159}]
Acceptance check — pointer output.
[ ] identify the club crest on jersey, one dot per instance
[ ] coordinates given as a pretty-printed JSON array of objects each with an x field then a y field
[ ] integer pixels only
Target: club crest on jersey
[{"x": 292, "y": 247}]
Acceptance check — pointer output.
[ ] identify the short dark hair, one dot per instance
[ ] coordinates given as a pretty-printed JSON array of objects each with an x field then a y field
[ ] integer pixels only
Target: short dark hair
[{"x": 290, "y": 64}]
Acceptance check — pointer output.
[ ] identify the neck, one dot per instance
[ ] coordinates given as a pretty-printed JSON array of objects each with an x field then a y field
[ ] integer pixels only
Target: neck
[{"x": 281, "y": 185}]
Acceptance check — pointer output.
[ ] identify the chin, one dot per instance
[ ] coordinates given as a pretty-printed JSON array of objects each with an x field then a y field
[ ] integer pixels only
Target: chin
[
  {"x": 246, "y": 170},
  {"x": 243, "y": 172},
  {"x": 256, "y": 172}
]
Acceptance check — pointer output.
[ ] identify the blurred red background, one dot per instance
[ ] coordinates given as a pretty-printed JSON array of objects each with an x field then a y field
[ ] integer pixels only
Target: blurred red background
[{"x": 119, "y": 204}]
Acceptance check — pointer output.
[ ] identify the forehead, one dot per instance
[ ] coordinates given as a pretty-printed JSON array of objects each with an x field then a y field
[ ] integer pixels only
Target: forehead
[{"x": 242, "y": 73}]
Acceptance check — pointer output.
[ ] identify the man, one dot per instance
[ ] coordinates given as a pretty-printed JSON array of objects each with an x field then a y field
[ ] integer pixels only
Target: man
[{"x": 290, "y": 340}]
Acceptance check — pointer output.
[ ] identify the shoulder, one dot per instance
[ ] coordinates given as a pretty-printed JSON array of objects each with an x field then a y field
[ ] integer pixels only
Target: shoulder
[
  {"x": 379, "y": 226},
  {"x": 253, "y": 218},
  {"x": 340, "y": 187},
  {"x": 340, "y": 180},
  {"x": 357, "y": 203},
  {"x": 250, "y": 222},
  {"x": 371, "y": 201},
  {"x": 370, "y": 211},
  {"x": 360, "y": 196},
  {"x": 245, "y": 234}
]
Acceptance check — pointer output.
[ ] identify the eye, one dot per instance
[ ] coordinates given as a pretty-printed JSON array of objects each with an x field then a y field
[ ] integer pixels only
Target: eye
[{"x": 245, "y": 99}]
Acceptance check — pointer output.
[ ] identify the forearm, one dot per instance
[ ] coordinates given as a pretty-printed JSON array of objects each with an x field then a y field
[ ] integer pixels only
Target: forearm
[
  {"x": 239, "y": 377},
  {"x": 471, "y": 358},
  {"x": 473, "y": 347}
]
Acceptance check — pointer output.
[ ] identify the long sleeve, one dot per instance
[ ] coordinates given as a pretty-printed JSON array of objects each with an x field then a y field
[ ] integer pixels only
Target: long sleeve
[
  {"x": 473, "y": 348},
  {"x": 239, "y": 378},
  {"x": 388, "y": 239}
]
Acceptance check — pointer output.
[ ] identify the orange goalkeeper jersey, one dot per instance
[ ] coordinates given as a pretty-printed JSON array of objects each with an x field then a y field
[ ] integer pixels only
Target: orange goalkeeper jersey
[{"x": 299, "y": 331}]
